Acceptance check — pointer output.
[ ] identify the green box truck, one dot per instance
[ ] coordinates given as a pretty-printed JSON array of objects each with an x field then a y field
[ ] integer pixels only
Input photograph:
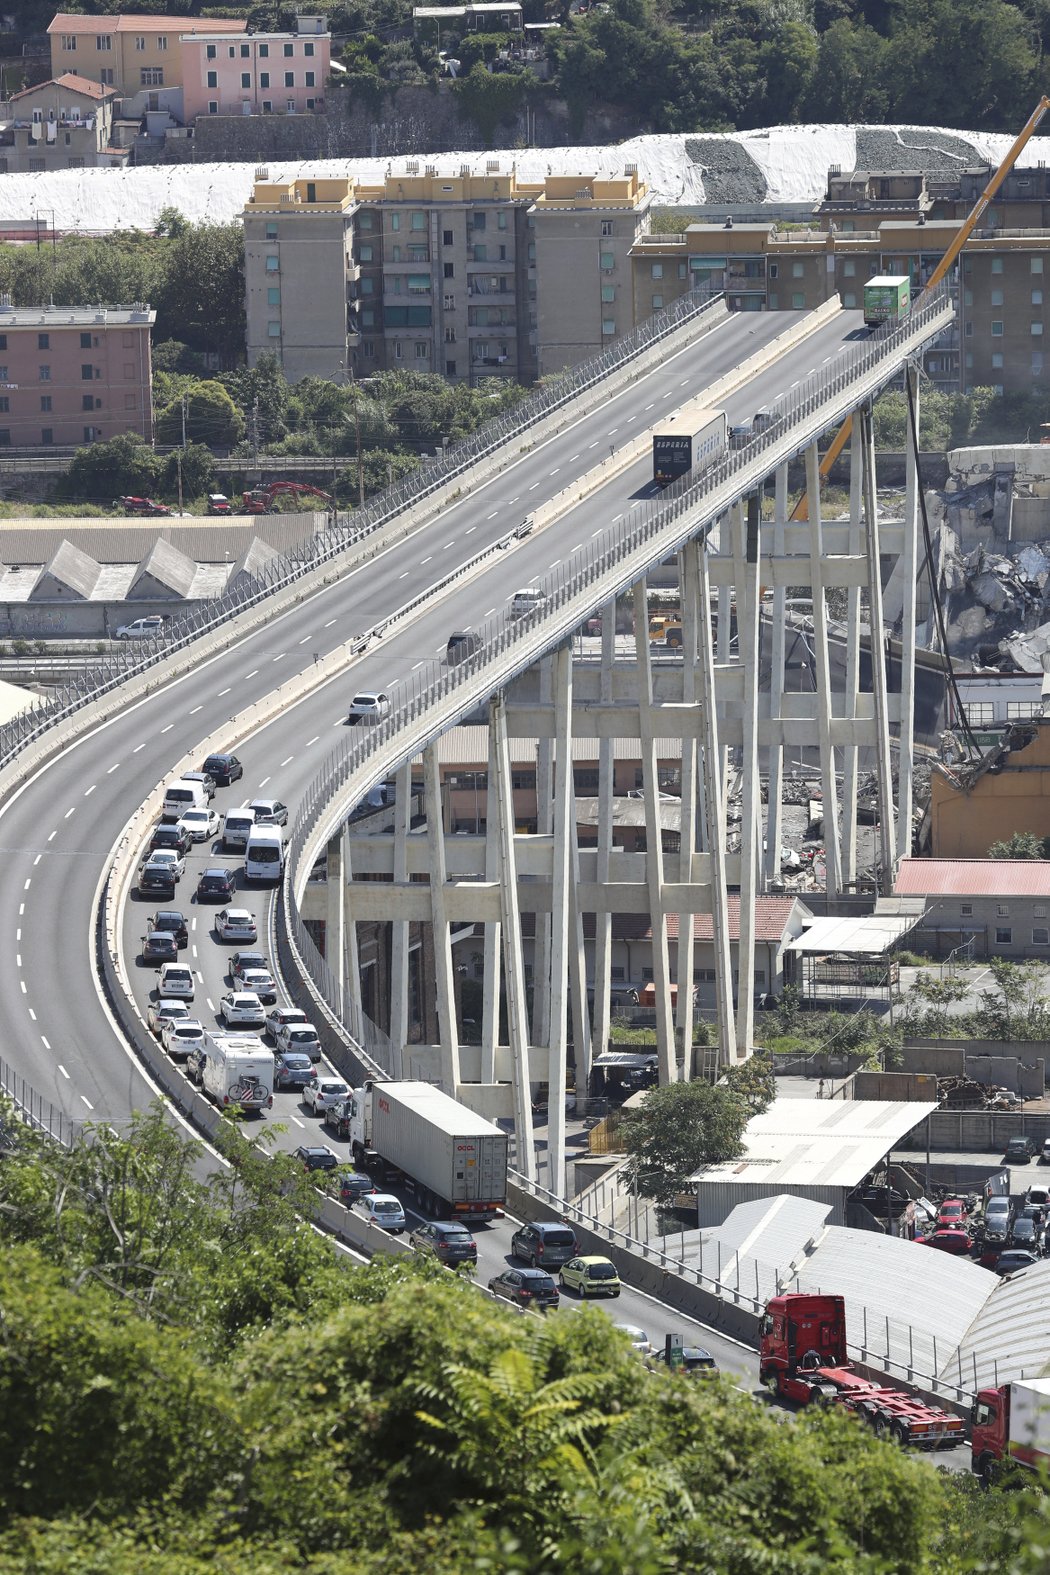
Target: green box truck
[{"x": 887, "y": 299}]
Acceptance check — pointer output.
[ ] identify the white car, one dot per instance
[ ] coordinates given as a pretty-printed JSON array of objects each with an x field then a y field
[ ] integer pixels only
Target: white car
[
  {"x": 321, "y": 1094},
  {"x": 176, "y": 982},
  {"x": 165, "y": 1010},
  {"x": 278, "y": 1016},
  {"x": 168, "y": 858},
  {"x": 141, "y": 629},
  {"x": 384, "y": 1210},
  {"x": 299, "y": 1037},
  {"x": 241, "y": 1009},
  {"x": 269, "y": 812},
  {"x": 180, "y": 1035},
  {"x": 371, "y": 705},
  {"x": 257, "y": 981},
  {"x": 236, "y": 924},
  {"x": 638, "y": 1338},
  {"x": 199, "y": 824}
]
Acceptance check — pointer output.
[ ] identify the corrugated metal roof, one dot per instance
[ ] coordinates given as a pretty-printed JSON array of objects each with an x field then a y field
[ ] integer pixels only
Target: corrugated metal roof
[
  {"x": 772, "y": 917},
  {"x": 868, "y": 934},
  {"x": 817, "y": 1142},
  {"x": 218, "y": 540},
  {"x": 69, "y": 569},
  {"x": 1009, "y": 1335},
  {"x": 973, "y": 878},
  {"x": 165, "y": 568}
]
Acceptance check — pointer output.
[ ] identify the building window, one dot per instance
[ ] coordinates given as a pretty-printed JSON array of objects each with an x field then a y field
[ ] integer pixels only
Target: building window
[
  {"x": 849, "y": 298},
  {"x": 1039, "y": 910},
  {"x": 368, "y": 286},
  {"x": 140, "y": 44},
  {"x": 849, "y": 269},
  {"x": 1021, "y": 710},
  {"x": 162, "y": 41},
  {"x": 152, "y": 76},
  {"x": 43, "y": 341},
  {"x": 1036, "y": 265},
  {"x": 450, "y": 368},
  {"x": 87, "y": 401},
  {"x": 90, "y": 433},
  {"x": 997, "y": 328},
  {"x": 271, "y": 230},
  {"x": 450, "y": 336},
  {"x": 289, "y": 79},
  {"x": 448, "y": 271},
  {"x": 1037, "y": 329},
  {"x": 309, "y": 79},
  {"x": 966, "y": 910},
  {"x": 397, "y": 350},
  {"x": 997, "y": 298},
  {"x": 308, "y": 49},
  {"x": 210, "y": 52},
  {"x": 997, "y": 265},
  {"x": 264, "y": 51},
  {"x": 798, "y": 270},
  {"x": 44, "y": 374},
  {"x": 273, "y": 296},
  {"x": 213, "y": 79},
  {"x": 246, "y": 79},
  {"x": 3, "y": 374},
  {"x": 87, "y": 373},
  {"x": 85, "y": 342},
  {"x": 447, "y": 237},
  {"x": 980, "y": 713},
  {"x": 608, "y": 292},
  {"x": 607, "y": 260},
  {"x": 5, "y": 404},
  {"x": 264, "y": 79},
  {"x": 1003, "y": 935},
  {"x": 657, "y": 268},
  {"x": 47, "y": 435},
  {"x": 1002, "y": 910},
  {"x": 1037, "y": 297},
  {"x": 419, "y": 221},
  {"x": 213, "y": 106},
  {"x": 272, "y": 264},
  {"x": 1037, "y": 363},
  {"x": 658, "y": 302},
  {"x": 481, "y": 254},
  {"x": 45, "y": 402},
  {"x": 1040, "y": 935},
  {"x": 365, "y": 254},
  {"x": 997, "y": 358},
  {"x": 273, "y": 330},
  {"x": 449, "y": 303},
  {"x": 5, "y": 437},
  {"x": 798, "y": 301},
  {"x": 69, "y": 43},
  {"x": 289, "y": 50},
  {"x": 245, "y": 51},
  {"x": 103, "y": 42},
  {"x": 105, "y": 76},
  {"x": 422, "y": 350},
  {"x": 608, "y": 325}
]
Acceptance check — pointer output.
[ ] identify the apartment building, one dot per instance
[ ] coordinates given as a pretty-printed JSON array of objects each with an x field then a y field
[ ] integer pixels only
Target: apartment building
[
  {"x": 74, "y": 375},
  {"x": 439, "y": 273},
  {"x": 141, "y": 57},
  {"x": 63, "y": 124},
  {"x": 234, "y": 73}
]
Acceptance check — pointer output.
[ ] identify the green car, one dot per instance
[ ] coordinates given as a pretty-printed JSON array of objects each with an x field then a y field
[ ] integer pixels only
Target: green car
[{"x": 589, "y": 1277}]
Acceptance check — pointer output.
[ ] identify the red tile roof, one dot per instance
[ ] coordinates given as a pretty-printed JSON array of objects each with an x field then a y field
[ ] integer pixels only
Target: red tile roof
[
  {"x": 74, "y": 22},
  {"x": 772, "y": 915},
  {"x": 973, "y": 878},
  {"x": 72, "y": 84}
]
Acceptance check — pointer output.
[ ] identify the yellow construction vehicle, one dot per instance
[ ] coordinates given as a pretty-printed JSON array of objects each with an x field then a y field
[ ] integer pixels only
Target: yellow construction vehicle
[{"x": 947, "y": 262}]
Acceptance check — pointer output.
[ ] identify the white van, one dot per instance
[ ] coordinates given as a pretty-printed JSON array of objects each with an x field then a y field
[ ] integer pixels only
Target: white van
[
  {"x": 237, "y": 828},
  {"x": 526, "y": 601},
  {"x": 235, "y": 1069},
  {"x": 183, "y": 795},
  {"x": 264, "y": 854}
]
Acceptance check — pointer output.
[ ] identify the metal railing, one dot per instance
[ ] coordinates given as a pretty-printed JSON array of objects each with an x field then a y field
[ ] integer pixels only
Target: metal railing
[
  {"x": 36, "y": 1111},
  {"x": 608, "y": 561},
  {"x": 345, "y": 531}
]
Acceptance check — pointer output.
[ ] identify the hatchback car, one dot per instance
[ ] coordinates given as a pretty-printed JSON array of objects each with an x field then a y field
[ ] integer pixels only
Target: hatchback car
[
  {"x": 169, "y": 858},
  {"x": 163, "y": 1010},
  {"x": 316, "y": 1156},
  {"x": 1013, "y": 1261},
  {"x": 159, "y": 947},
  {"x": 690, "y": 1359},
  {"x": 589, "y": 1276},
  {"x": 354, "y": 1184},
  {"x": 241, "y": 1009},
  {"x": 955, "y": 1242},
  {"x": 156, "y": 877},
  {"x": 953, "y": 1211},
  {"x": 448, "y": 1241},
  {"x": 236, "y": 924},
  {"x": 638, "y": 1338},
  {"x": 371, "y": 705},
  {"x": 525, "y": 1288},
  {"x": 199, "y": 824},
  {"x": 998, "y": 1213},
  {"x": 215, "y": 885},
  {"x": 277, "y": 1015},
  {"x": 176, "y": 981},
  {"x": 170, "y": 834},
  {"x": 321, "y": 1094},
  {"x": 1019, "y": 1150},
  {"x": 292, "y": 1070},
  {"x": 1025, "y": 1233},
  {"x": 269, "y": 812},
  {"x": 384, "y": 1210},
  {"x": 169, "y": 921},
  {"x": 240, "y": 961},
  {"x": 206, "y": 780},
  {"x": 182, "y": 1035},
  {"x": 298, "y": 1039},
  {"x": 223, "y": 769},
  {"x": 544, "y": 1244},
  {"x": 259, "y": 981}
]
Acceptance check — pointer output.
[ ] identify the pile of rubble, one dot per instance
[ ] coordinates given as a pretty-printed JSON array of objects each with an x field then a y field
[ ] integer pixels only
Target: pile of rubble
[{"x": 966, "y": 1093}]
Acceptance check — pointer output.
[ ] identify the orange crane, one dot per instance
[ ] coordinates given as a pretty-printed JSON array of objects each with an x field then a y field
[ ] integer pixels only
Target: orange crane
[{"x": 838, "y": 443}]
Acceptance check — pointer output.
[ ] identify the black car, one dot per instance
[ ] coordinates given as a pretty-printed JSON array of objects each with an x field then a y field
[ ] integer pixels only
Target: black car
[
  {"x": 170, "y": 835},
  {"x": 353, "y": 1185},
  {"x": 159, "y": 947},
  {"x": 317, "y": 1158},
  {"x": 1019, "y": 1150},
  {"x": 170, "y": 921},
  {"x": 544, "y": 1244},
  {"x": 689, "y": 1359},
  {"x": 157, "y": 877},
  {"x": 223, "y": 769},
  {"x": 215, "y": 885},
  {"x": 206, "y": 780},
  {"x": 1025, "y": 1233},
  {"x": 449, "y": 1241},
  {"x": 526, "y": 1288}
]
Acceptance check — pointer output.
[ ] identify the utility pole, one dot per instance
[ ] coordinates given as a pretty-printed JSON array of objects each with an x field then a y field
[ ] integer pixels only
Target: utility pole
[
  {"x": 178, "y": 467},
  {"x": 185, "y": 403},
  {"x": 360, "y": 457},
  {"x": 254, "y": 434}
]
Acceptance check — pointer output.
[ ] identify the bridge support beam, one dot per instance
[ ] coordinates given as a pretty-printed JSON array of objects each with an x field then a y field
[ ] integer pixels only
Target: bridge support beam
[
  {"x": 654, "y": 858},
  {"x": 563, "y": 932},
  {"x": 400, "y": 928},
  {"x": 906, "y": 753},
  {"x": 714, "y": 802},
  {"x": 541, "y": 946},
  {"x": 850, "y": 755},
  {"x": 603, "y": 920},
  {"x": 448, "y": 1028},
  {"x": 491, "y": 987},
  {"x": 690, "y": 788},
  {"x": 829, "y": 781},
  {"x": 778, "y": 635},
  {"x": 884, "y": 765},
  {"x": 513, "y": 955},
  {"x": 748, "y": 628}
]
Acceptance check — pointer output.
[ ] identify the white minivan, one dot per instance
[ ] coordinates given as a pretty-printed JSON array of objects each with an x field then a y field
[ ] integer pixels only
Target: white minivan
[
  {"x": 264, "y": 854},
  {"x": 526, "y": 601},
  {"x": 237, "y": 827},
  {"x": 183, "y": 795}
]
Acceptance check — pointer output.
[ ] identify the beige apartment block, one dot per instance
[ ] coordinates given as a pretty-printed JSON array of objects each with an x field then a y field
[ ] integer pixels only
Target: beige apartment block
[
  {"x": 130, "y": 53},
  {"x": 64, "y": 124},
  {"x": 439, "y": 273},
  {"x": 74, "y": 375}
]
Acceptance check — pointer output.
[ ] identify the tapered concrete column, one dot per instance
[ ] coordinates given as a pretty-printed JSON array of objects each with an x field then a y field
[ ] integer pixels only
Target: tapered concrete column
[
  {"x": 501, "y": 805},
  {"x": 581, "y": 1017},
  {"x": 541, "y": 945},
  {"x": 688, "y": 581},
  {"x": 716, "y": 825},
  {"x": 491, "y": 988},
  {"x": 337, "y": 902},
  {"x": 747, "y": 623},
  {"x": 603, "y": 918},
  {"x": 448, "y": 1027},
  {"x": 822, "y": 675},
  {"x": 777, "y": 646},
  {"x": 654, "y": 858},
  {"x": 399, "y": 939},
  {"x": 906, "y": 748},
  {"x": 563, "y": 935},
  {"x": 883, "y": 759},
  {"x": 850, "y": 755}
]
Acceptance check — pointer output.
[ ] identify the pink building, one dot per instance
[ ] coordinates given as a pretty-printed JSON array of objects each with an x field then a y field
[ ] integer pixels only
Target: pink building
[
  {"x": 257, "y": 73},
  {"x": 74, "y": 374}
]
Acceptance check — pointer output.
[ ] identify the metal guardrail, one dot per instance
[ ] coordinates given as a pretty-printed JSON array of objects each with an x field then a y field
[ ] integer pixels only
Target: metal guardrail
[
  {"x": 345, "y": 531},
  {"x": 36, "y": 1111},
  {"x": 606, "y": 560}
]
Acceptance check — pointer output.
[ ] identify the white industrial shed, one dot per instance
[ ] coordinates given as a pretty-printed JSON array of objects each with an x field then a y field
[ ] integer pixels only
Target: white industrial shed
[
  {"x": 1010, "y": 1336},
  {"x": 811, "y": 1148}
]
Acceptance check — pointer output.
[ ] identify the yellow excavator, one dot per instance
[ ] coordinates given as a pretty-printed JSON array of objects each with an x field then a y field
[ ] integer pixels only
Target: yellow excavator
[{"x": 801, "y": 509}]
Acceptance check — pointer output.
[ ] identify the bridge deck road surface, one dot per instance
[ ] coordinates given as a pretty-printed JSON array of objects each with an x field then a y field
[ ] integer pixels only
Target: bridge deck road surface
[{"x": 58, "y": 830}]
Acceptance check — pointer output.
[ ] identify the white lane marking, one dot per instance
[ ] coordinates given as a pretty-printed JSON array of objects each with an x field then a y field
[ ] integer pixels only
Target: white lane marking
[
  {"x": 223, "y": 692},
  {"x": 489, "y": 613},
  {"x": 32, "y": 1014},
  {"x": 194, "y": 950},
  {"x": 310, "y": 741},
  {"x": 52, "y": 835},
  {"x": 330, "y": 622},
  {"x": 21, "y": 905},
  {"x": 137, "y": 748},
  {"x": 111, "y": 769},
  {"x": 473, "y": 528},
  {"x": 23, "y": 984},
  {"x": 514, "y": 500},
  {"x": 340, "y": 723},
  {"x": 280, "y": 656},
  {"x": 577, "y": 547},
  {"x": 492, "y": 516},
  {"x": 594, "y": 444},
  {"x": 449, "y": 544},
  {"x": 193, "y": 925},
  {"x": 167, "y": 729},
  {"x": 305, "y": 638},
  {"x": 425, "y": 561},
  {"x": 649, "y": 407},
  {"x": 61, "y": 1068},
  {"x": 251, "y": 674},
  {"x": 555, "y": 564},
  {"x": 417, "y": 667},
  {"x": 211, "y": 1003},
  {"x": 18, "y": 959},
  {"x": 18, "y": 933},
  {"x": 26, "y": 887},
  {"x": 69, "y": 812},
  {"x": 287, "y": 762},
  {"x": 196, "y": 708},
  {"x": 200, "y": 977},
  {"x": 595, "y": 533},
  {"x": 298, "y": 1122},
  {"x": 87, "y": 1101},
  {"x": 613, "y": 431},
  {"x": 555, "y": 471},
  {"x": 36, "y": 861},
  {"x": 88, "y": 791},
  {"x": 535, "y": 484},
  {"x": 403, "y": 576},
  {"x": 575, "y": 456}
]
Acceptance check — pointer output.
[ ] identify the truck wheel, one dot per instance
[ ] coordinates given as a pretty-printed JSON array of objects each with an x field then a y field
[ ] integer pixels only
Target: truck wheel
[
  {"x": 880, "y": 1423},
  {"x": 899, "y": 1434}
]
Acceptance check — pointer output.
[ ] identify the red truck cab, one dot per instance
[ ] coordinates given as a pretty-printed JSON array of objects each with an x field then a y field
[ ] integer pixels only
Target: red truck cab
[{"x": 803, "y": 1336}]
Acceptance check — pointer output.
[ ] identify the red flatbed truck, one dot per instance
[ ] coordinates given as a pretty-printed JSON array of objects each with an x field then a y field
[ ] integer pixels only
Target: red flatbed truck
[{"x": 803, "y": 1358}]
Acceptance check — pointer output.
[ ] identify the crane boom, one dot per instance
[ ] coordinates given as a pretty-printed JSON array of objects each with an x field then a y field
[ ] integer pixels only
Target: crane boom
[{"x": 943, "y": 268}]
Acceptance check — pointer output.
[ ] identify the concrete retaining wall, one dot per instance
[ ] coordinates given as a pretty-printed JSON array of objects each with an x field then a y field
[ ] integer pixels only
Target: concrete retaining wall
[
  {"x": 1022, "y": 1070},
  {"x": 981, "y": 1131}
]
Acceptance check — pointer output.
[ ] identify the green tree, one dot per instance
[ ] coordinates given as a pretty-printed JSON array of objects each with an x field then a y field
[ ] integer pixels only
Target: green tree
[
  {"x": 753, "y": 1082},
  {"x": 1022, "y": 845},
  {"x": 123, "y": 465},
  {"x": 675, "y": 1130},
  {"x": 928, "y": 1005},
  {"x": 789, "y": 62},
  {"x": 200, "y": 297},
  {"x": 211, "y": 418},
  {"x": 198, "y": 471}
]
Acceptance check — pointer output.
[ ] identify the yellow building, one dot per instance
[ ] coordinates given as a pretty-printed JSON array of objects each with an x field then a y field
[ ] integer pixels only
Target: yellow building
[
  {"x": 1007, "y": 791},
  {"x": 133, "y": 54}
]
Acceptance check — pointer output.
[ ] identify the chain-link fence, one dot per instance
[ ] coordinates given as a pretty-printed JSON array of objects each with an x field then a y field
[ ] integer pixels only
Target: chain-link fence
[
  {"x": 36, "y": 1111},
  {"x": 432, "y": 685}
]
